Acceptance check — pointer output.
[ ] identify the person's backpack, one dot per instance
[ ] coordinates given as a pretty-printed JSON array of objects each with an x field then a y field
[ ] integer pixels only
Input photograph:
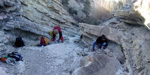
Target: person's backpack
[
  {"x": 46, "y": 40},
  {"x": 15, "y": 55},
  {"x": 19, "y": 42},
  {"x": 42, "y": 41}
]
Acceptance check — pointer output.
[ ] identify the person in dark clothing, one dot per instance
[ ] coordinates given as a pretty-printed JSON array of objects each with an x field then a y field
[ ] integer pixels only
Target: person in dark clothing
[
  {"x": 101, "y": 42},
  {"x": 19, "y": 42}
]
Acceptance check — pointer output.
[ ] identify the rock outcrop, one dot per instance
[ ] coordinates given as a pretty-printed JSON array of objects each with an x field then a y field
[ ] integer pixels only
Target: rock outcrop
[
  {"x": 111, "y": 33},
  {"x": 98, "y": 64},
  {"x": 143, "y": 7},
  {"x": 130, "y": 35},
  {"x": 46, "y": 12},
  {"x": 129, "y": 32}
]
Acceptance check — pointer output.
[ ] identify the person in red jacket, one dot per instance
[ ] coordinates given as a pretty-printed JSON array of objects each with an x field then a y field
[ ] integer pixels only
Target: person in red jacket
[{"x": 57, "y": 30}]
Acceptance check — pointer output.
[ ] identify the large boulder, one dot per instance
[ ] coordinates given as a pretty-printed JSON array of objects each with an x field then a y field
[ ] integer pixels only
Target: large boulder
[
  {"x": 98, "y": 64},
  {"x": 26, "y": 25},
  {"x": 130, "y": 17},
  {"x": 111, "y": 33}
]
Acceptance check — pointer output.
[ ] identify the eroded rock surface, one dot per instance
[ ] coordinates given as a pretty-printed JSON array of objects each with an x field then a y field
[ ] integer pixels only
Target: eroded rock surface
[{"x": 98, "y": 64}]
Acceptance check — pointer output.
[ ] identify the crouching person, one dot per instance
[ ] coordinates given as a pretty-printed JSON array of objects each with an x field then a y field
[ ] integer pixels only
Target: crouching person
[
  {"x": 11, "y": 58},
  {"x": 101, "y": 42},
  {"x": 56, "y": 30}
]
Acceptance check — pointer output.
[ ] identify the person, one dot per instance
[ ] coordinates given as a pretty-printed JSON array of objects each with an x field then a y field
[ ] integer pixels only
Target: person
[
  {"x": 101, "y": 42},
  {"x": 44, "y": 41},
  {"x": 19, "y": 42},
  {"x": 55, "y": 31}
]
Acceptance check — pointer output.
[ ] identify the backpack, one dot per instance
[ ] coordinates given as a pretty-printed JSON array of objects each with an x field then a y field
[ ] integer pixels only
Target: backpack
[
  {"x": 46, "y": 41},
  {"x": 15, "y": 55},
  {"x": 42, "y": 41},
  {"x": 19, "y": 42}
]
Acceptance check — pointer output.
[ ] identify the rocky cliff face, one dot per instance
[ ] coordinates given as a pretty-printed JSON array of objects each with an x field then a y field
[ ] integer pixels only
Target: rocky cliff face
[
  {"x": 46, "y": 12},
  {"x": 31, "y": 19},
  {"x": 94, "y": 11},
  {"x": 37, "y": 17}
]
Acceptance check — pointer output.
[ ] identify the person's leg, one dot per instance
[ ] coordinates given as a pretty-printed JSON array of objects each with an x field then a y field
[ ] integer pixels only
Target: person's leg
[
  {"x": 62, "y": 39},
  {"x": 94, "y": 43}
]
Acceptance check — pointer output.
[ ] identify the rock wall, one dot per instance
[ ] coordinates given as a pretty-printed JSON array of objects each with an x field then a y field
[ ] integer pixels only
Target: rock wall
[
  {"x": 29, "y": 17},
  {"x": 46, "y": 12},
  {"x": 89, "y": 11}
]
